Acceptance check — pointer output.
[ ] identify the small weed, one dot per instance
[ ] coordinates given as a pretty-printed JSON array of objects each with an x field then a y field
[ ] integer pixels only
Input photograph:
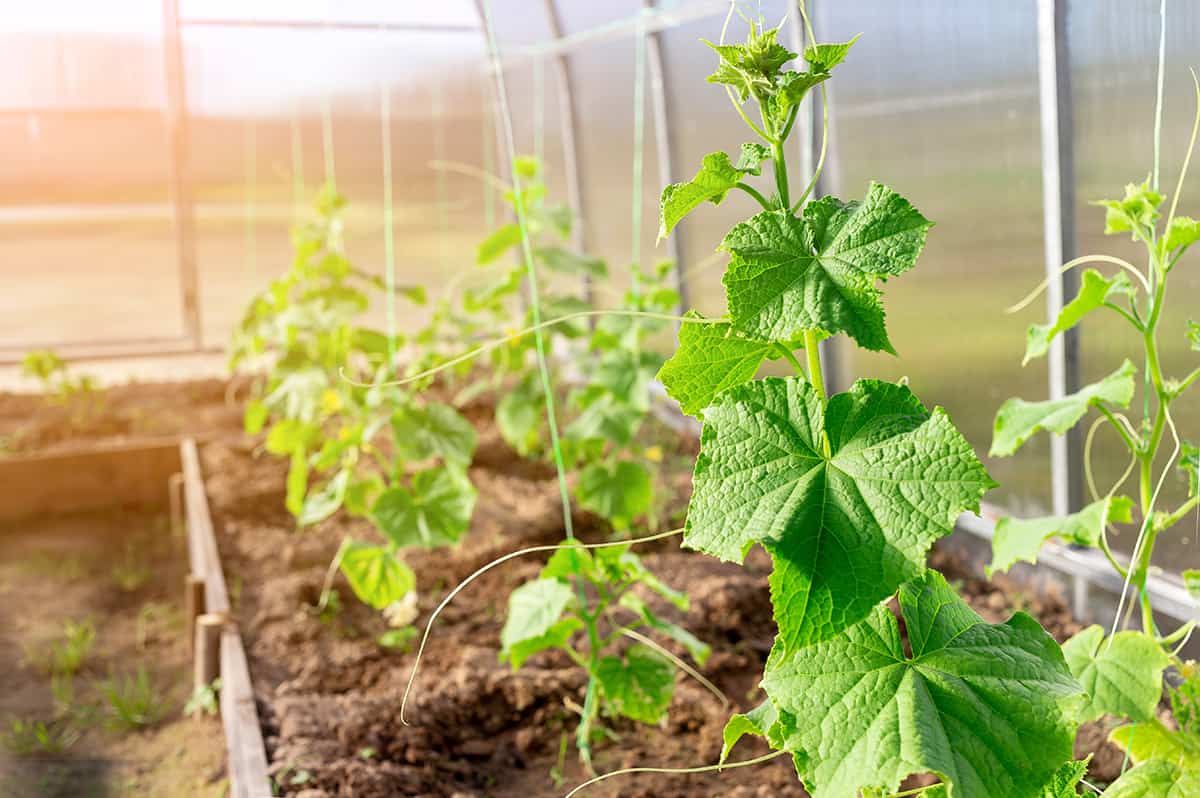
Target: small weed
[
  {"x": 204, "y": 700},
  {"x": 398, "y": 639},
  {"x": 66, "y": 656},
  {"x": 133, "y": 701},
  {"x": 132, "y": 572},
  {"x": 26, "y": 736}
]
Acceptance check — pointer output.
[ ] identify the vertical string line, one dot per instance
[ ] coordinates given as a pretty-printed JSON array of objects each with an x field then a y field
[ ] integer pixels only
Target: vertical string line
[
  {"x": 639, "y": 135},
  {"x": 389, "y": 248},
  {"x": 327, "y": 141},
  {"x": 489, "y": 155},
  {"x": 1158, "y": 106},
  {"x": 297, "y": 163},
  {"x": 440, "y": 194},
  {"x": 251, "y": 145},
  {"x": 539, "y": 109},
  {"x": 505, "y": 121}
]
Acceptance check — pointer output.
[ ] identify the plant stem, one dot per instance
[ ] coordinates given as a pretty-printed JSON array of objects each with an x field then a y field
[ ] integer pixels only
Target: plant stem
[
  {"x": 813, "y": 352},
  {"x": 790, "y": 356},
  {"x": 1187, "y": 382},
  {"x": 781, "y": 180},
  {"x": 753, "y": 192},
  {"x": 583, "y": 734},
  {"x": 1177, "y": 516}
]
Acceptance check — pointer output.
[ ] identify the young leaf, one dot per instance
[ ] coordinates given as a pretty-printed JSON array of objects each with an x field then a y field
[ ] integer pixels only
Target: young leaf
[
  {"x": 1017, "y": 420},
  {"x": 557, "y": 259},
  {"x": 710, "y": 358},
  {"x": 435, "y": 430},
  {"x": 1152, "y": 740},
  {"x": 824, "y": 57},
  {"x": 639, "y": 685},
  {"x": 985, "y": 707},
  {"x": 375, "y": 575},
  {"x": 1158, "y": 778},
  {"x": 1065, "y": 781},
  {"x": 519, "y": 414},
  {"x": 1095, "y": 291},
  {"x": 618, "y": 492},
  {"x": 535, "y": 620},
  {"x": 789, "y": 275},
  {"x": 255, "y": 417},
  {"x": 844, "y": 529},
  {"x": 1182, "y": 232},
  {"x": 289, "y": 436},
  {"x": 751, "y": 68},
  {"x": 323, "y": 503},
  {"x": 1193, "y": 335},
  {"x": 757, "y": 721},
  {"x": 717, "y": 176},
  {"x": 435, "y": 512},
  {"x": 1136, "y": 213},
  {"x": 1191, "y": 581},
  {"x": 361, "y": 494},
  {"x": 1020, "y": 540},
  {"x": 503, "y": 239},
  {"x": 1122, "y": 676}
]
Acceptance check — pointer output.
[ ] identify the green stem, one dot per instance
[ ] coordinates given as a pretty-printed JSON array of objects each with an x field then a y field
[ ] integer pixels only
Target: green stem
[
  {"x": 1133, "y": 446},
  {"x": 583, "y": 734},
  {"x": 753, "y": 192},
  {"x": 779, "y": 158},
  {"x": 1187, "y": 382},
  {"x": 1111, "y": 558},
  {"x": 1178, "y": 634},
  {"x": 813, "y": 352},
  {"x": 1137, "y": 325},
  {"x": 790, "y": 356},
  {"x": 1177, "y": 516}
]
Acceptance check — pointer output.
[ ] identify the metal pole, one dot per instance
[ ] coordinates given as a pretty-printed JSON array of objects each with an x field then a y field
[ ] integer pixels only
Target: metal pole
[
  {"x": 570, "y": 138},
  {"x": 1058, "y": 208},
  {"x": 177, "y": 162},
  {"x": 663, "y": 144},
  {"x": 809, "y": 146}
]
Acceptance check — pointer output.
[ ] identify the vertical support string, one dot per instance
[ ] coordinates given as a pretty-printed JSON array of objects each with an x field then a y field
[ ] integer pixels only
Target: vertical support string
[
  {"x": 297, "y": 163},
  {"x": 639, "y": 134},
  {"x": 251, "y": 155},
  {"x": 489, "y": 155},
  {"x": 389, "y": 246},
  {"x": 327, "y": 141},
  {"x": 539, "y": 109},
  {"x": 441, "y": 194}
]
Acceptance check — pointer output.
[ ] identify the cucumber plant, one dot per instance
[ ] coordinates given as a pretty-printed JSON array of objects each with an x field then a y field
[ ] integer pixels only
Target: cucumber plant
[
  {"x": 395, "y": 458},
  {"x": 847, "y": 492},
  {"x": 1122, "y": 671}
]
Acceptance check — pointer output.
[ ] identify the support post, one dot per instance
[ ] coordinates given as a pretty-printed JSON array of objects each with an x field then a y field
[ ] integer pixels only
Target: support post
[
  {"x": 194, "y": 606},
  {"x": 207, "y": 664},
  {"x": 178, "y": 146},
  {"x": 1058, "y": 209}
]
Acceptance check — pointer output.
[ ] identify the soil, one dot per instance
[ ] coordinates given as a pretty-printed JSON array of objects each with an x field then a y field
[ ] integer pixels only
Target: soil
[
  {"x": 329, "y": 695},
  {"x": 118, "y": 572}
]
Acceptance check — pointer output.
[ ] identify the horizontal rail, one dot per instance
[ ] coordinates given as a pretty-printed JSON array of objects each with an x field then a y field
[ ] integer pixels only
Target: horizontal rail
[{"x": 320, "y": 24}]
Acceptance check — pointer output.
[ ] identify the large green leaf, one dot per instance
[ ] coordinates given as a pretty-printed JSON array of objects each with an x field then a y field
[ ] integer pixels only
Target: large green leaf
[
  {"x": 535, "y": 621},
  {"x": 618, "y": 491},
  {"x": 710, "y": 358},
  {"x": 1017, "y": 420},
  {"x": 717, "y": 175},
  {"x": 500, "y": 241},
  {"x": 638, "y": 685},
  {"x": 985, "y": 707},
  {"x": 1093, "y": 293},
  {"x": 519, "y": 414},
  {"x": 1122, "y": 676},
  {"x": 789, "y": 275},
  {"x": 375, "y": 575},
  {"x": 1168, "y": 762},
  {"x": 846, "y": 528},
  {"x": 557, "y": 259},
  {"x": 435, "y": 430},
  {"x": 1021, "y": 539},
  {"x": 434, "y": 511}
]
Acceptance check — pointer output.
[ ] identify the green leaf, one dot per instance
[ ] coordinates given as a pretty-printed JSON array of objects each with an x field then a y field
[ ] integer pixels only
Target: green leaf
[
  {"x": 1182, "y": 232},
  {"x": 717, "y": 175},
  {"x": 1189, "y": 464},
  {"x": 824, "y": 57},
  {"x": 535, "y": 619},
  {"x": 1191, "y": 581},
  {"x": 606, "y": 419},
  {"x": 290, "y": 436},
  {"x": 435, "y": 430},
  {"x": 1193, "y": 335},
  {"x": 1122, "y": 676},
  {"x": 1017, "y": 420},
  {"x": 1095, "y": 291},
  {"x": 984, "y": 707},
  {"x": 297, "y": 482},
  {"x": 638, "y": 685},
  {"x": 1136, "y": 213},
  {"x": 618, "y": 492},
  {"x": 1020, "y": 540},
  {"x": 436, "y": 510},
  {"x": 519, "y": 414},
  {"x": 757, "y": 722},
  {"x": 361, "y": 495},
  {"x": 557, "y": 259},
  {"x": 1065, "y": 781},
  {"x": 710, "y": 359},
  {"x": 1147, "y": 741},
  {"x": 1157, "y": 779},
  {"x": 569, "y": 560},
  {"x": 375, "y": 575},
  {"x": 500, "y": 241},
  {"x": 323, "y": 503},
  {"x": 753, "y": 67},
  {"x": 789, "y": 275},
  {"x": 795, "y": 86},
  {"x": 255, "y": 417},
  {"x": 846, "y": 528}
]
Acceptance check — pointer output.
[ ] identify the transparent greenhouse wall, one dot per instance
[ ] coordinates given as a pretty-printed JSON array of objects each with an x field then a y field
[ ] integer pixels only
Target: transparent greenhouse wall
[
  {"x": 86, "y": 241},
  {"x": 1114, "y": 69},
  {"x": 245, "y": 173}
]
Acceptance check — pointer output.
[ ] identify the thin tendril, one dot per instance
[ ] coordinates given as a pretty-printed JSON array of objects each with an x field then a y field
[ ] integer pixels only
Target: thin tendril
[
  {"x": 1187, "y": 159},
  {"x": 498, "y": 342},
  {"x": 679, "y": 771},
  {"x": 1158, "y": 104},
  {"x": 1036, "y": 292},
  {"x": 481, "y": 571},
  {"x": 468, "y": 170},
  {"x": 1175, "y": 651},
  {"x": 679, "y": 663},
  {"x": 812, "y": 183}
]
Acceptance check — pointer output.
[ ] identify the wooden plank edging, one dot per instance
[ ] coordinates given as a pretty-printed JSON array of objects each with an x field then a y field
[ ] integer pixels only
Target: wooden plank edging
[{"x": 245, "y": 753}]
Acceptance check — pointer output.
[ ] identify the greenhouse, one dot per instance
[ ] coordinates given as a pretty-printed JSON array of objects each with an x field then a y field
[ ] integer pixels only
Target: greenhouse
[{"x": 665, "y": 398}]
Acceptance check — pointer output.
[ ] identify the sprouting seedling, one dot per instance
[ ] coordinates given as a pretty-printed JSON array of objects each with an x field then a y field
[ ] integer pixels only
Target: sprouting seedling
[
  {"x": 1122, "y": 671},
  {"x": 846, "y": 492}
]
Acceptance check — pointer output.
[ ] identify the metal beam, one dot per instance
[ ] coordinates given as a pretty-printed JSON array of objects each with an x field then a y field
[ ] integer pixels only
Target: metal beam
[
  {"x": 177, "y": 162},
  {"x": 316, "y": 24},
  {"x": 663, "y": 143}
]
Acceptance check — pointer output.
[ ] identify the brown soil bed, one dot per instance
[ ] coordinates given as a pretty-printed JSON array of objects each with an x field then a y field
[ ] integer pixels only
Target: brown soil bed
[
  {"x": 118, "y": 572},
  {"x": 329, "y": 695}
]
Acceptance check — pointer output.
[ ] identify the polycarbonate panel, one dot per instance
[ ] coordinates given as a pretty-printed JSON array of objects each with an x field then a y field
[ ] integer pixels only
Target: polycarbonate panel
[
  {"x": 1114, "y": 69},
  {"x": 244, "y": 165},
  {"x": 444, "y": 12},
  {"x": 939, "y": 101}
]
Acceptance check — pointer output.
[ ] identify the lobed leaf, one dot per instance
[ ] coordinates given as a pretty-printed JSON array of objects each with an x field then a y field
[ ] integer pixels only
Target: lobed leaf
[
  {"x": 845, "y": 527},
  {"x": 638, "y": 685},
  {"x": 618, "y": 492},
  {"x": 1183, "y": 231},
  {"x": 1168, "y": 762},
  {"x": 535, "y": 620},
  {"x": 435, "y": 511},
  {"x": 1017, "y": 420},
  {"x": 375, "y": 575},
  {"x": 753, "y": 67},
  {"x": 557, "y": 259},
  {"x": 435, "y": 430},
  {"x": 710, "y": 358},
  {"x": 1157, "y": 779},
  {"x": 1122, "y": 676},
  {"x": 1136, "y": 212},
  {"x": 717, "y": 176},
  {"x": 789, "y": 275},
  {"x": 1093, "y": 293},
  {"x": 984, "y": 707},
  {"x": 1018, "y": 540},
  {"x": 757, "y": 721},
  {"x": 824, "y": 57}
]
